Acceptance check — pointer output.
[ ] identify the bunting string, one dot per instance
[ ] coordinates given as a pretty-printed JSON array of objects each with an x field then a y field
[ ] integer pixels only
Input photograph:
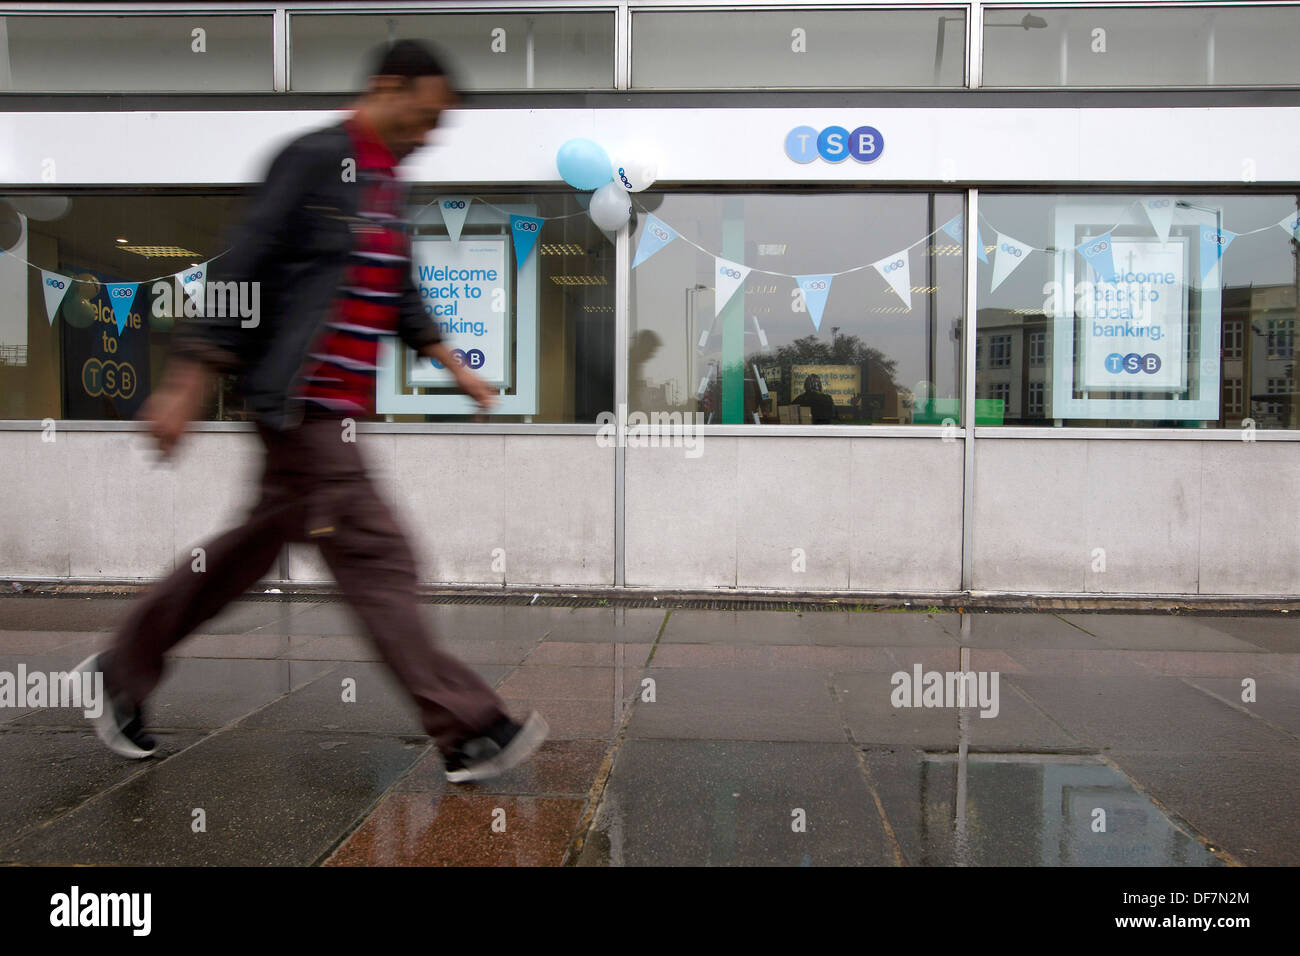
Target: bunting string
[{"x": 894, "y": 268}]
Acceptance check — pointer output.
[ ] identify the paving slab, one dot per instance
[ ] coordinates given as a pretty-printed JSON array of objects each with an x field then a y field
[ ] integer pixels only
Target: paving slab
[
  {"x": 40, "y": 642},
  {"x": 62, "y": 614},
  {"x": 205, "y": 694},
  {"x": 269, "y": 799},
  {"x": 511, "y": 623},
  {"x": 895, "y": 628},
  {"x": 775, "y": 656},
  {"x": 1016, "y": 631},
  {"x": 421, "y": 829},
  {"x": 1274, "y": 700},
  {"x": 560, "y": 768},
  {"x": 571, "y": 719},
  {"x": 372, "y": 702},
  {"x": 1279, "y": 634},
  {"x": 1148, "y": 713},
  {"x": 733, "y": 704},
  {"x": 1243, "y": 802},
  {"x": 584, "y": 654},
  {"x": 50, "y": 771},
  {"x": 1024, "y": 810},
  {"x": 1157, "y": 632},
  {"x": 573, "y": 683},
  {"x": 735, "y": 803},
  {"x": 603, "y": 625}
]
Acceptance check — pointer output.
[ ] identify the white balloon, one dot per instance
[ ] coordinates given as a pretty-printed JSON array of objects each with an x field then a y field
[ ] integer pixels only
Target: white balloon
[
  {"x": 610, "y": 207},
  {"x": 635, "y": 169}
]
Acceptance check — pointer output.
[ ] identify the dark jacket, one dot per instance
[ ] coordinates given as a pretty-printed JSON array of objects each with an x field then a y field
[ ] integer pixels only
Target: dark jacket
[{"x": 294, "y": 239}]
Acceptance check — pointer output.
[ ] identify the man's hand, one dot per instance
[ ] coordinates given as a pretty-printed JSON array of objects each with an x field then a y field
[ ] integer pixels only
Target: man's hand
[
  {"x": 469, "y": 383},
  {"x": 175, "y": 403},
  {"x": 476, "y": 388}
]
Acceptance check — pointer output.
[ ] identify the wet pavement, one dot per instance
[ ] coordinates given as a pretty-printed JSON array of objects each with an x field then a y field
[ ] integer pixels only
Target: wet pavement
[{"x": 679, "y": 737}]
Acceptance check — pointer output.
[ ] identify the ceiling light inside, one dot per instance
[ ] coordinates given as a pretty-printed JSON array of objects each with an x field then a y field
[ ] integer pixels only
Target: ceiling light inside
[{"x": 160, "y": 252}]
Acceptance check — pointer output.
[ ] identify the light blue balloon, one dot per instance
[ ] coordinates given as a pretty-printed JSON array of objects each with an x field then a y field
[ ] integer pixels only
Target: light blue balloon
[{"x": 584, "y": 164}]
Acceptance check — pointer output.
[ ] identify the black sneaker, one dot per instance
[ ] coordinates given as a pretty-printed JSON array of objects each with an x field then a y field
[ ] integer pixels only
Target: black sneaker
[
  {"x": 504, "y": 745},
  {"x": 119, "y": 725}
]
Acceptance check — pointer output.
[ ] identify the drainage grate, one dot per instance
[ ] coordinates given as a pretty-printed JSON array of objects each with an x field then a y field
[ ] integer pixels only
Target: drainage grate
[{"x": 761, "y": 601}]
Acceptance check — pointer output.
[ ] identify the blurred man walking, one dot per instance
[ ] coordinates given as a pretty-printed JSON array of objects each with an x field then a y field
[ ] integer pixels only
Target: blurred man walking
[{"x": 325, "y": 241}]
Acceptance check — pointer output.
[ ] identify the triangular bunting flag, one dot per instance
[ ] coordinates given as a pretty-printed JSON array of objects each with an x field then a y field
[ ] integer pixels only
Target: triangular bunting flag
[
  {"x": 455, "y": 210},
  {"x": 1008, "y": 254},
  {"x": 815, "y": 289},
  {"x": 120, "y": 297},
  {"x": 1100, "y": 256},
  {"x": 1290, "y": 224},
  {"x": 1214, "y": 243},
  {"x": 193, "y": 287},
  {"x": 897, "y": 270},
  {"x": 654, "y": 237},
  {"x": 55, "y": 287},
  {"x": 1160, "y": 210},
  {"x": 953, "y": 228},
  {"x": 728, "y": 276},
  {"x": 525, "y": 230}
]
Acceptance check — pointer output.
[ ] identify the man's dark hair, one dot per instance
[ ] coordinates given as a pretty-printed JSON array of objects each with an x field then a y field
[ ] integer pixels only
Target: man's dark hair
[{"x": 408, "y": 59}]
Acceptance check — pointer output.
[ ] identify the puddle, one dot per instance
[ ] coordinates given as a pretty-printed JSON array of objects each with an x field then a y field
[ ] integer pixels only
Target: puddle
[{"x": 1043, "y": 810}]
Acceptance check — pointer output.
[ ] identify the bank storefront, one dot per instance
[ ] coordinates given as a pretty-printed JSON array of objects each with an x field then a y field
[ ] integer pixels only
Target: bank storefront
[{"x": 923, "y": 298}]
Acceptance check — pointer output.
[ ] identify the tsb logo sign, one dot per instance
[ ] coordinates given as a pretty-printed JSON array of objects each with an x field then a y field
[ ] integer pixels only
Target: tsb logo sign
[{"x": 834, "y": 144}]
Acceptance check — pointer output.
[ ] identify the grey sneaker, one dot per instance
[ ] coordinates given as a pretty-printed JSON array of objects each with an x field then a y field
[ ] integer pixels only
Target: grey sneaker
[
  {"x": 119, "y": 725},
  {"x": 505, "y": 744}
]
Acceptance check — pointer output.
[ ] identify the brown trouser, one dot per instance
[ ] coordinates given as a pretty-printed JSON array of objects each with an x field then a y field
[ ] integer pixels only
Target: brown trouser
[{"x": 314, "y": 488}]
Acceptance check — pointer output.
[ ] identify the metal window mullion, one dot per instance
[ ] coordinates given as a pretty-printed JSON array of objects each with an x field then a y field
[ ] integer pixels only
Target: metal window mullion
[
  {"x": 622, "y": 47},
  {"x": 280, "y": 49},
  {"x": 969, "y": 314},
  {"x": 975, "y": 46},
  {"x": 622, "y": 327}
]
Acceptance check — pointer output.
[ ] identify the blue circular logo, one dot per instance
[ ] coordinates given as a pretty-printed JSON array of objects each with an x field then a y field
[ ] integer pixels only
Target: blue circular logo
[
  {"x": 801, "y": 144},
  {"x": 866, "y": 144},
  {"x": 475, "y": 358},
  {"x": 1133, "y": 363},
  {"x": 833, "y": 144},
  {"x": 1151, "y": 363}
]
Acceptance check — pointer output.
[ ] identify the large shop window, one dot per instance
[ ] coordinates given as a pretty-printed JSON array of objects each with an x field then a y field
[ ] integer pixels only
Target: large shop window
[
  {"x": 759, "y": 49},
  {"x": 532, "y": 311},
  {"x": 202, "y": 52},
  {"x": 485, "y": 51},
  {"x": 798, "y": 308},
  {"x": 1157, "y": 45},
  {"x": 1169, "y": 309},
  {"x": 524, "y": 295}
]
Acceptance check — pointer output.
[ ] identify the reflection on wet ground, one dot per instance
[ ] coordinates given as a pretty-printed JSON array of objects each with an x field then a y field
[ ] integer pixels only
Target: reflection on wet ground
[{"x": 680, "y": 737}]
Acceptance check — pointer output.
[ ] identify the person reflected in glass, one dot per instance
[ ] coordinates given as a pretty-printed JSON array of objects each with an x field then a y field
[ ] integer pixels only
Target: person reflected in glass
[
  {"x": 822, "y": 405},
  {"x": 644, "y": 346}
]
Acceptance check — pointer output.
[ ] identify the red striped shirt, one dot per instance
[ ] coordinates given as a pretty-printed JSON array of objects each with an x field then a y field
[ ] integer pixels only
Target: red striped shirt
[{"x": 340, "y": 371}]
